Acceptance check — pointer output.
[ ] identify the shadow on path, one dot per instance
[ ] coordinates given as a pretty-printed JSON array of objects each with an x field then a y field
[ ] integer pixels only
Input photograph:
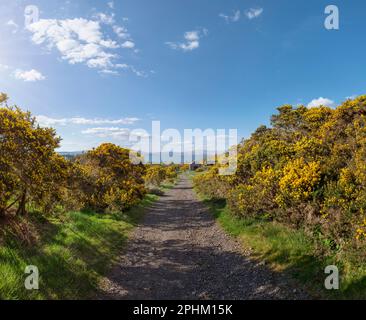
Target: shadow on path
[{"x": 179, "y": 252}]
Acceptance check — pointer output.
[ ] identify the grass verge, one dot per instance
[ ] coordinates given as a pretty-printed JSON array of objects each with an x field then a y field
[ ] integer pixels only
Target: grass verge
[
  {"x": 291, "y": 251},
  {"x": 72, "y": 252}
]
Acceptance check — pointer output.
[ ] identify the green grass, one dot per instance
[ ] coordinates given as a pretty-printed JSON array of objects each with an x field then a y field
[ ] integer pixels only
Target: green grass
[
  {"x": 168, "y": 185},
  {"x": 72, "y": 252},
  {"x": 291, "y": 251}
]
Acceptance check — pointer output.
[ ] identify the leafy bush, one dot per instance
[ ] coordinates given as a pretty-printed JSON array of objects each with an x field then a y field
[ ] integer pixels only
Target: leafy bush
[
  {"x": 211, "y": 184},
  {"x": 256, "y": 198},
  {"x": 155, "y": 175},
  {"x": 30, "y": 169},
  {"x": 171, "y": 172},
  {"x": 308, "y": 169},
  {"x": 108, "y": 180},
  {"x": 33, "y": 174}
]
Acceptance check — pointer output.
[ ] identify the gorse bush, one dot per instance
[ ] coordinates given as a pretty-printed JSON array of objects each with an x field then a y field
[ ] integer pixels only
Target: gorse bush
[
  {"x": 33, "y": 175},
  {"x": 172, "y": 172},
  {"x": 30, "y": 170},
  {"x": 211, "y": 184},
  {"x": 307, "y": 170},
  {"x": 155, "y": 175},
  {"x": 108, "y": 180},
  {"x": 69, "y": 216}
]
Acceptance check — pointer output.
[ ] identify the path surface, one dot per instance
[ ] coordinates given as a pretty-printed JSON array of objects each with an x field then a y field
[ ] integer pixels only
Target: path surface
[{"x": 180, "y": 252}]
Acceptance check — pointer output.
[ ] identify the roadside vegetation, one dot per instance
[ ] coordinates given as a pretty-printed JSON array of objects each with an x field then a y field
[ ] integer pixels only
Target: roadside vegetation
[
  {"x": 72, "y": 251},
  {"x": 68, "y": 217},
  {"x": 298, "y": 200},
  {"x": 298, "y": 197}
]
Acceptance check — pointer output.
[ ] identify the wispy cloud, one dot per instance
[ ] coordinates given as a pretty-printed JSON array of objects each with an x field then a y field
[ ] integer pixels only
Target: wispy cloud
[
  {"x": 253, "y": 13},
  {"x": 112, "y": 132},
  {"x": 250, "y": 14},
  {"x": 138, "y": 73},
  {"x": 235, "y": 17},
  {"x": 354, "y": 96},
  {"x": 192, "y": 40},
  {"x": 122, "y": 134},
  {"x": 109, "y": 72},
  {"x": 48, "y": 122},
  {"x": 4, "y": 67},
  {"x": 320, "y": 102},
  {"x": 28, "y": 76},
  {"x": 111, "y": 4},
  {"x": 109, "y": 19},
  {"x": 105, "y": 18},
  {"x": 128, "y": 44},
  {"x": 121, "y": 32},
  {"x": 13, "y": 25}
]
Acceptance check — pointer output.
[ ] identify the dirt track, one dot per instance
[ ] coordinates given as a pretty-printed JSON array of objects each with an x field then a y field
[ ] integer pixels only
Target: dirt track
[{"x": 180, "y": 252}]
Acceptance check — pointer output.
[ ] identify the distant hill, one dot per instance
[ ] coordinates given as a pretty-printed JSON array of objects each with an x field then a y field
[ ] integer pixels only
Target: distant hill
[
  {"x": 70, "y": 155},
  {"x": 178, "y": 158}
]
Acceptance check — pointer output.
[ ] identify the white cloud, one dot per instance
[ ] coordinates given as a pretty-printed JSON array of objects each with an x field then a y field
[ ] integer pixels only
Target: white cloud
[
  {"x": 233, "y": 18},
  {"x": 192, "y": 41},
  {"x": 81, "y": 41},
  {"x": 191, "y": 36},
  {"x": 114, "y": 133},
  {"x": 128, "y": 45},
  {"x": 320, "y": 102},
  {"x": 47, "y": 121},
  {"x": 352, "y": 97},
  {"x": 28, "y": 76},
  {"x": 109, "y": 72},
  {"x": 4, "y": 67},
  {"x": 122, "y": 66},
  {"x": 253, "y": 13},
  {"x": 102, "y": 62},
  {"x": 139, "y": 73},
  {"x": 84, "y": 41},
  {"x": 105, "y": 18},
  {"x": 111, "y": 4},
  {"x": 125, "y": 66},
  {"x": 77, "y": 40},
  {"x": 121, "y": 32},
  {"x": 13, "y": 25}
]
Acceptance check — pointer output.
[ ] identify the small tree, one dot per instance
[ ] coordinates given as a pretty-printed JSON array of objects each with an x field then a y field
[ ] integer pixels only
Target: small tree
[{"x": 27, "y": 159}]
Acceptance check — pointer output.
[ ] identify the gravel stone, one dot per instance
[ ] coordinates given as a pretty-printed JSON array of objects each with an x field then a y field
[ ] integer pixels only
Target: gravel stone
[{"x": 193, "y": 258}]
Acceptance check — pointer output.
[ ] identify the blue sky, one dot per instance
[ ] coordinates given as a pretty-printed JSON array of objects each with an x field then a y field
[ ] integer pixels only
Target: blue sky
[{"x": 95, "y": 69}]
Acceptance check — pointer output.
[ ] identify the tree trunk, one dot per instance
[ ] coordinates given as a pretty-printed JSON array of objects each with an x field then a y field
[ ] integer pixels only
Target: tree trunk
[{"x": 23, "y": 201}]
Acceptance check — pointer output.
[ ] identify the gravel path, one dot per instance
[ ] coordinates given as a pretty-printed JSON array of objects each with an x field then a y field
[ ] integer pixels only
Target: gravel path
[{"x": 180, "y": 252}]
